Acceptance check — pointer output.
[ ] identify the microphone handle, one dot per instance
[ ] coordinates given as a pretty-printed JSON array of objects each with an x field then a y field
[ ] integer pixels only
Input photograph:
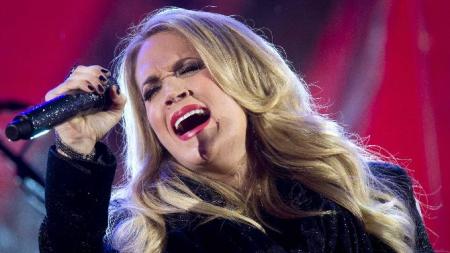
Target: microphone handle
[{"x": 45, "y": 116}]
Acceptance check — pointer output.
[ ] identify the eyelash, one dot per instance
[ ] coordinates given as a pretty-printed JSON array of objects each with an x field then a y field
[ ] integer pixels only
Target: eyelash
[
  {"x": 151, "y": 92},
  {"x": 185, "y": 70},
  {"x": 190, "y": 67}
]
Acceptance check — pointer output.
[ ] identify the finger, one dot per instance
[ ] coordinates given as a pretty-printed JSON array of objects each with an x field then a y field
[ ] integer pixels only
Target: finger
[
  {"x": 100, "y": 69},
  {"x": 98, "y": 82},
  {"x": 96, "y": 70},
  {"x": 76, "y": 82},
  {"x": 117, "y": 98},
  {"x": 96, "y": 76},
  {"x": 103, "y": 70},
  {"x": 92, "y": 73},
  {"x": 85, "y": 78},
  {"x": 88, "y": 73},
  {"x": 65, "y": 87}
]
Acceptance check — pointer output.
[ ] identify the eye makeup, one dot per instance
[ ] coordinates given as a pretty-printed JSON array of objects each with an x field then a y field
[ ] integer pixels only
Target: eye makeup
[{"x": 182, "y": 68}]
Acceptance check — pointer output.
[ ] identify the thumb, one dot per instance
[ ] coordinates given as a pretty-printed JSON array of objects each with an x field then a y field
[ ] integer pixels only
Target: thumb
[{"x": 117, "y": 98}]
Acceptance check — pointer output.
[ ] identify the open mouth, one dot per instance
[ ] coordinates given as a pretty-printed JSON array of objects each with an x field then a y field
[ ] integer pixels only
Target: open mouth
[{"x": 190, "y": 120}]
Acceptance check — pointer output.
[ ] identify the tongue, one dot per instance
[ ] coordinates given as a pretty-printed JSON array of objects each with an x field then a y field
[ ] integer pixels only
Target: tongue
[{"x": 190, "y": 123}]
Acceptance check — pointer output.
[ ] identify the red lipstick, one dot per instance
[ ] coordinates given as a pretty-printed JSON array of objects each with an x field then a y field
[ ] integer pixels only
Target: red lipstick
[
  {"x": 191, "y": 133},
  {"x": 185, "y": 109}
]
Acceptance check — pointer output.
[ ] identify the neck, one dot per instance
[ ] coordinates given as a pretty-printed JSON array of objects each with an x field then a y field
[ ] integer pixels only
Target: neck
[{"x": 234, "y": 176}]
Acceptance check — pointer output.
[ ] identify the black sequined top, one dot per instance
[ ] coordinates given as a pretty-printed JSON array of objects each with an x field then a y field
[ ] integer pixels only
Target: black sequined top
[{"x": 78, "y": 194}]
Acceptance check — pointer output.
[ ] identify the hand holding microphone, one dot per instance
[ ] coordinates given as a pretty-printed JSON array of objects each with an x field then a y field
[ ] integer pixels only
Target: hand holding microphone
[{"x": 82, "y": 109}]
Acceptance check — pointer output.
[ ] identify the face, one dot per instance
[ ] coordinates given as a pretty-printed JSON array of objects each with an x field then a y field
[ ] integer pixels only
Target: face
[{"x": 202, "y": 127}]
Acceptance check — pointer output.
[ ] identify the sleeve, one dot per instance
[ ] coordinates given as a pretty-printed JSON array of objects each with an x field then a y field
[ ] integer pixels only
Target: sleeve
[
  {"x": 77, "y": 195},
  {"x": 402, "y": 181}
]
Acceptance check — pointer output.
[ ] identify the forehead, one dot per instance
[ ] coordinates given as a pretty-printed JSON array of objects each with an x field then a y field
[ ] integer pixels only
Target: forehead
[{"x": 161, "y": 50}]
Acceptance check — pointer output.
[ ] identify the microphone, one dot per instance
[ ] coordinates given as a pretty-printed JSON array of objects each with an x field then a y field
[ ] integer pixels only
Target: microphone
[{"x": 41, "y": 118}]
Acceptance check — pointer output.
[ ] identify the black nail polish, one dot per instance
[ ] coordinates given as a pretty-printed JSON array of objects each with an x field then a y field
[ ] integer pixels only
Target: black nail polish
[
  {"x": 101, "y": 89},
  {"x": 104, "y": 71},
  {"x": 118, "y": 90},
  {"x": 102, "y": 78},
  {"x": 91, "y": 87}
]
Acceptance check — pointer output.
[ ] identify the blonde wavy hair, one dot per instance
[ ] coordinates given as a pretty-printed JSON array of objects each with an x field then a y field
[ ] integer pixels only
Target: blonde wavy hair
[{"x": 287, "y": 137}]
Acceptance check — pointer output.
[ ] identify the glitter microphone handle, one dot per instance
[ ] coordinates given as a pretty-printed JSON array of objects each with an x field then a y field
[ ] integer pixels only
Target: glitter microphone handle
[{"x": 44, "y": 117}]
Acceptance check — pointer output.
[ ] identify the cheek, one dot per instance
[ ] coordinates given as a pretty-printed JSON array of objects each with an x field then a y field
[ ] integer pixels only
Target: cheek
[{"x": 155, "y": 119}]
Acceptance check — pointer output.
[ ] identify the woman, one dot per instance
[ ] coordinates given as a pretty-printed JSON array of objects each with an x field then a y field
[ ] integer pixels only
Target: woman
[{"x": 225, "y": 152}]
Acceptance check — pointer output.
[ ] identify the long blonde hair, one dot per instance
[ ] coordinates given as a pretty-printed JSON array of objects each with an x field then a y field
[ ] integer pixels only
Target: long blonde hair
[{"x": 286, "y": 137}]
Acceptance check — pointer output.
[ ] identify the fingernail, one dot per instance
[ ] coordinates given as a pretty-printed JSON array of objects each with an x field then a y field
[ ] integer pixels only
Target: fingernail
[
  {"x": 104, "y": 71},
  {"x": 118, "y": 90},
  {"x": 102, "y": 78},
  {"x": 91, "y": 87},
  {"x": 101, "y": 89}
]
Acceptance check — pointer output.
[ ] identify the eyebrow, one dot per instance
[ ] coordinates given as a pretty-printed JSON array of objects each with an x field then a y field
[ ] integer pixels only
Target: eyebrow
[{"x": 153, "y": 79}]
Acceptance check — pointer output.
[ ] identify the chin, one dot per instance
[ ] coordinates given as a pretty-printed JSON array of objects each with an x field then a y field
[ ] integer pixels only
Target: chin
[{"x": 193, "y": 161}]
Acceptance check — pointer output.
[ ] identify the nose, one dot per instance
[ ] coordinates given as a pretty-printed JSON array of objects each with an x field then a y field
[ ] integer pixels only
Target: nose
[{"x": 178, "y": 95}]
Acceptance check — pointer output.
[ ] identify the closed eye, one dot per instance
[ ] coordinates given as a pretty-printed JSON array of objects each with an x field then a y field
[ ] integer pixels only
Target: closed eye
[
  {"x": 183, "y": 68},
  {"x": 190, "y": 67},
  {"x": 149, "y": 93}
]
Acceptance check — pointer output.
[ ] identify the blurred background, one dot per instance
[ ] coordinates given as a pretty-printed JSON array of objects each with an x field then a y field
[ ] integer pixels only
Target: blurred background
[{"x": 381, "y": 68}]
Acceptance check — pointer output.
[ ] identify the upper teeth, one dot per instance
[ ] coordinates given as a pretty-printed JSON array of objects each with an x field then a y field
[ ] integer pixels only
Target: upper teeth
[{"x": 187, "y": 115}]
